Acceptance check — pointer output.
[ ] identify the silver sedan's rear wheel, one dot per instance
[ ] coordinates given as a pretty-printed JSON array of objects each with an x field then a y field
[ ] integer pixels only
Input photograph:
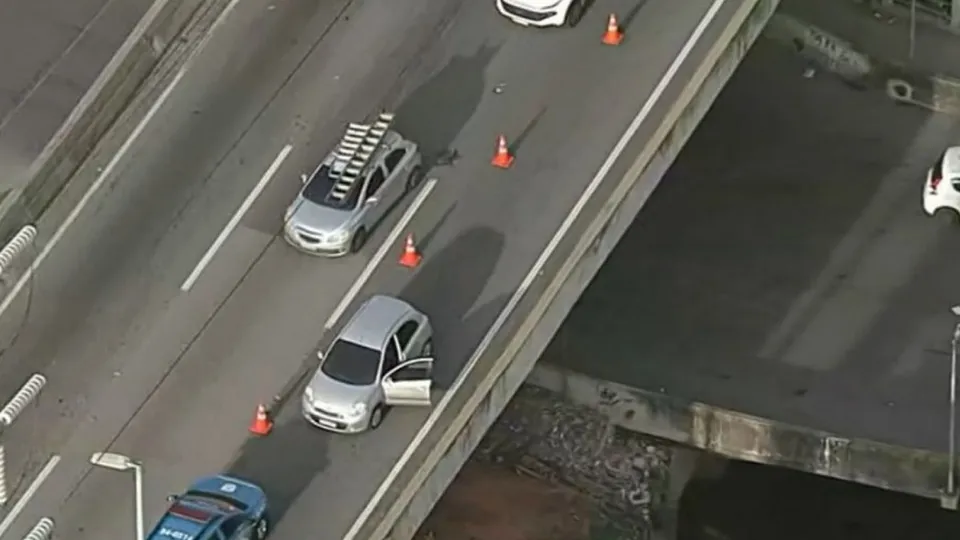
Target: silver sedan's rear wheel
[
  {"x": 414, "y": 179},
  {"x": 358, "y": 240}
]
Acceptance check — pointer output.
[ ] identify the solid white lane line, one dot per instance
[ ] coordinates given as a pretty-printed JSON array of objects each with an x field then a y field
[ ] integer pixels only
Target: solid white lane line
[
  {"x": 108, "y": 170},
  {"x": 551, "y": 246},
  {"x": 88, "y": 196},
  {"x": 32, "y": 489},
  {"x": 380, "y": 254},
  {"x": 237, "y": 216}
]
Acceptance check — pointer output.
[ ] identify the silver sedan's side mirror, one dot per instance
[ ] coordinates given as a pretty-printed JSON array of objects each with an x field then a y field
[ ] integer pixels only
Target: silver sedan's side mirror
[
  {"x": 304, "y": 178},
  {"x": 320, "y": 355}
]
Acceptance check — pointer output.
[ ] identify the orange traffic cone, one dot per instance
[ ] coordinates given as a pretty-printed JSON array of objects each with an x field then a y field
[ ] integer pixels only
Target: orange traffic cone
[
  {"x": 411, "y": 257},
  {"x": 262, "y": 425},
  {"x": 613, "y": 35},
  {"x": 502, "y": 157}
]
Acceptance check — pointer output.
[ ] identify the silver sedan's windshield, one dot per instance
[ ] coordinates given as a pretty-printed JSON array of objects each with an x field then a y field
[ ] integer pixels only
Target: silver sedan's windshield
[{"x": 352, "y": 364}]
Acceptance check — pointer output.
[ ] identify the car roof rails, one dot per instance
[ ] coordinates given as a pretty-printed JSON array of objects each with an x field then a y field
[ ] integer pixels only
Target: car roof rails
[{"x": 355, "y": 150}]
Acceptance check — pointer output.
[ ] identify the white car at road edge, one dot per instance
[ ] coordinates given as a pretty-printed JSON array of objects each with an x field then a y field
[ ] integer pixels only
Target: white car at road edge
[
  {"x": 543, "y": 12},
  {"x": 941, "y": 192}
]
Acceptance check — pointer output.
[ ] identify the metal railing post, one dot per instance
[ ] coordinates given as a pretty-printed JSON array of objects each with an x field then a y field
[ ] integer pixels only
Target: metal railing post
[
  {"x": 43, "y": 530},
  {"x": 27, "y": 393},
  {"x": 4, "y": 496},
  {"x": 16, "y": 245}
]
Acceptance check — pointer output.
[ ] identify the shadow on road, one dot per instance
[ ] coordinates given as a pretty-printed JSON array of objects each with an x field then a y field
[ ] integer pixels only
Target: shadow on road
[
  {"x": 435, "y": 113},
  {"x": 276, "y": 464},
  {"x": 447, "y": 286},
  {"x": 472, "y": 330}
]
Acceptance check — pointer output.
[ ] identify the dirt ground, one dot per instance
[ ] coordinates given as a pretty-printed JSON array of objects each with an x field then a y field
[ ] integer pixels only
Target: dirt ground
[
  {"x": 494, "y": 502},
  {"x": 550, "y": 470}
]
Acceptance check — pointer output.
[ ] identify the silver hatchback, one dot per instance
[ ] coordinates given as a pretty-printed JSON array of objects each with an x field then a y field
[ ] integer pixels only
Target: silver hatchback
[
  {"x": 381, "y": 358},
  {"x": 354, "y": 188}
]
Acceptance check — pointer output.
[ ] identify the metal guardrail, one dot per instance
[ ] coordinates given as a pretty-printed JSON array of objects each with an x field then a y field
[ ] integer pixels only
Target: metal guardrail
[
  {"x": 24, "y": 397},
  {"x": 20, "y": 241},
  {"x": 43, "y": 530}
]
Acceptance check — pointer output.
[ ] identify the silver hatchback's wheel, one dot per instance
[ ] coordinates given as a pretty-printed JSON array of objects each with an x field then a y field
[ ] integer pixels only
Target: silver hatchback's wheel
[{"x": 376, "y": 417}]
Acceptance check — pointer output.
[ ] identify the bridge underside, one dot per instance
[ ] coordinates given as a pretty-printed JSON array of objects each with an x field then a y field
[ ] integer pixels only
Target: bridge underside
[{"x": 780, "y": 299}]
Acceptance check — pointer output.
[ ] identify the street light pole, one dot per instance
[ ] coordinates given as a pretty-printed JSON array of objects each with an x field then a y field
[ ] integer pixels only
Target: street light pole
[
  {"x": 11, "y": 411},
  {"x": 951, "y": 446},
  {"x": 138, "y": 494},
  {"x": 120, "y": 462},
  {"x": 949, "y": 499},
  {"x": 913, "y": 27}
]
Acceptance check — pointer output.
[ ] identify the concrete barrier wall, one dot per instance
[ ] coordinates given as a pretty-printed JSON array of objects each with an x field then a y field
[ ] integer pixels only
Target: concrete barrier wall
[
  {"x": 488, "y": 388},
  {"x": 820, "y": 46},
  {"x": 749, "y": 438},
  {"x": 901, "y": 83},
  {"x": 166, "y": 31}
]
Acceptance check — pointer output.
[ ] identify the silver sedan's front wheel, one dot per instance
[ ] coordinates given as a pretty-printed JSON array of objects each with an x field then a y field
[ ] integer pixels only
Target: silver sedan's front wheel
[{"x": 358, "y": 240}]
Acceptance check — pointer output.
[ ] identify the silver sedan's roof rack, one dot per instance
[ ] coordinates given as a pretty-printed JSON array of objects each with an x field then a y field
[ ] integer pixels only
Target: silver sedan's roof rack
[{"x": 353, "y": 154}]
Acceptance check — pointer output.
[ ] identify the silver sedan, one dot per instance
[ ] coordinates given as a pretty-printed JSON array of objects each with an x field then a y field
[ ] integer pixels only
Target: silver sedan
[{"x": 352, "y": 190}]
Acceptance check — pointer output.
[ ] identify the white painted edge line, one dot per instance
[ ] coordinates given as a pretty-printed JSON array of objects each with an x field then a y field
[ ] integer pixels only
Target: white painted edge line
[
  {"x": 32, "y": 489},
  {"x": 237, "y": 216},
  {"x": 111, "y": 165},
  {"x": 91, "y": 191},
  {"x": 565, "y": 226},
  {"x": 380, "y": 254}
]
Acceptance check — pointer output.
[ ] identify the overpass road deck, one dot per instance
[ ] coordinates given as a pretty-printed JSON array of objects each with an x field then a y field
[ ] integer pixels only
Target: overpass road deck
[{"x": 172, "y": 377}]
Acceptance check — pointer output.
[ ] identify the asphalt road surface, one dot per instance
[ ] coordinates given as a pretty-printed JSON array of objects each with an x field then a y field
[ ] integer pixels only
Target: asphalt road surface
[
  {"x": 52, "y": 53},
  {"x": 173, "y": 378},
  {"x": 784, "y": 268}
]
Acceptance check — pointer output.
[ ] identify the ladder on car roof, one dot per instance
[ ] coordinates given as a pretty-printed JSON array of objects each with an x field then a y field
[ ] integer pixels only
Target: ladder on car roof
[{"x": 353, "y": 154}]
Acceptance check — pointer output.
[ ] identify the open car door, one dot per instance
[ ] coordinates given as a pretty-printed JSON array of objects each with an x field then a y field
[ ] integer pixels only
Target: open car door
[{"x": 409, "y": 383}]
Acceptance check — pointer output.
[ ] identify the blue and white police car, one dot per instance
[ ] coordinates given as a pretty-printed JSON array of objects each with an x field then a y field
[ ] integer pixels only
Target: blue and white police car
[{"x": 215, "y": 508}]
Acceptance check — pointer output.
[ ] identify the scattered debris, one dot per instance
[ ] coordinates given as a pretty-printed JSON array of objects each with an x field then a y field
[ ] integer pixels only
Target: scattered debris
[
  {"x": 544, "y": 453},
  {"x": 447, "y": 158}
]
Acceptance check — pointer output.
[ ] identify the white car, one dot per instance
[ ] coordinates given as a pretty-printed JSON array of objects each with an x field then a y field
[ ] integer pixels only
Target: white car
[
  {"x": 942, "y": 189},
  {"x": 543, "y": 12}
]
